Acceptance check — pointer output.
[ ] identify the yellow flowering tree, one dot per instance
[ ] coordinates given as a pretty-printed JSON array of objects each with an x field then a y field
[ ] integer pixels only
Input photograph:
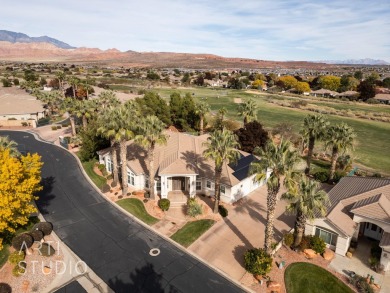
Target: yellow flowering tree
[{"x": 19, "y": 180}]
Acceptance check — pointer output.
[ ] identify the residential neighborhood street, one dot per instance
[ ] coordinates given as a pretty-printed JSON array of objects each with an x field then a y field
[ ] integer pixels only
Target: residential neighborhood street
[{"x": 113, "y": 245}]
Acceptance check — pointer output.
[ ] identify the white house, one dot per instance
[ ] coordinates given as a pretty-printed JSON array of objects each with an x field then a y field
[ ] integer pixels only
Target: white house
[
  {"x": 359, "y": 207},
  {"x": 181, "y": 167}
]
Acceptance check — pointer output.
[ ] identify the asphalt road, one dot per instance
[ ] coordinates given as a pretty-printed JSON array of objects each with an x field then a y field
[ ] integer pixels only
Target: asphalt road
[{"x": 114, "y": 246}]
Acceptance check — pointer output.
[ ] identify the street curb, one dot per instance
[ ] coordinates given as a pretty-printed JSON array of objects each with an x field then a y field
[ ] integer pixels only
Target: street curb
[{"x": 217, "y": 270}]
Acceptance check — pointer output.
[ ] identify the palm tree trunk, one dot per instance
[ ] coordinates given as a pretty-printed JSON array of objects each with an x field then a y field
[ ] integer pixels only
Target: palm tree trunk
[
  {"x": 309, "y": 154},
  {"x": 269, "y": 227},
  {"x": 335, "y": 155},
  {"x": 85, "y": 122},
  {"x": 218, "y": 175},
  {"x": 299, "y": 228},
  {"x": 245, "y": 120},
  {"x": 72, "y": 124},
  {"x": 151, "y": 172},
  {"x": 201, "y": 125},
  {"x": 114, "y": 159},
  {"x": 74, "y": 91},
  {"x": 123, "y": 156}
]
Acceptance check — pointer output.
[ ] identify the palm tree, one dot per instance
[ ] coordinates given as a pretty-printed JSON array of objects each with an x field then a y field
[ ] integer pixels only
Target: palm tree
[
  {"x": 74, "y": 82},
  {"x": 306, "y": 202},
  {"x": 276, "y": 161},
  {"x": 108, "y": 98},
  {"x": 108, "y": 128},
  {"x": 83, "y": 109},
  {"x": 69, "y": 106},
  {"x": 150, "y": 131},
  {"x": 222, "y": 147},
  {"x": 61, "y": 78},
  {"x": 339, "y": 138},
  {"x": 201, "y": 108},
  {"x": 248, "y": 110},
  {"x": 313, "y": 128},
  {"x": 6, "y": 143}
]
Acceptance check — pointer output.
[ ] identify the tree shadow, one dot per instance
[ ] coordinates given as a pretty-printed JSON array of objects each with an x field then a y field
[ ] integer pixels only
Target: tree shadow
[
  {"x": 144, "y": 279},
  {"x": 239, "y": 252},
  {"x": 253, "y": 208},
  {"x": 138, "y": 153},
  {"x": 238, "y": 233},
  {"x": 45, "y": 195}
]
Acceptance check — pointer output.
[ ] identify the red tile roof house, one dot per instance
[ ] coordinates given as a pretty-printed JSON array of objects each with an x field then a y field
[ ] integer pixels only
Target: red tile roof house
[
  {"x": 181, "y": 167},
  {"x": 359, "y": 206}
]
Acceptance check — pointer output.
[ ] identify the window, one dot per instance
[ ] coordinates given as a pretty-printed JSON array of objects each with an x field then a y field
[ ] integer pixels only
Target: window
[
  {"x": 373, "y": 227},
  {"x": 328, "y": 237},
  {"x": 158, "y": 185},
  {"x": 222, "y": 189},
  {"x": 130, "y": 178},
  {"x": 146, "y": 182},
  {"x": 109, "y": 165},
  {"x": 198, "y": 185},
  {"x": 208, "y": 184}
]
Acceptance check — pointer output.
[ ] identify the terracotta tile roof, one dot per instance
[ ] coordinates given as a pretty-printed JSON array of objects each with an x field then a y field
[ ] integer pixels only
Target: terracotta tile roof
[
  {"x": 324, "y": 91},
  {"x": 183, "y": 155},
  {"x": 368, "y": 197}
]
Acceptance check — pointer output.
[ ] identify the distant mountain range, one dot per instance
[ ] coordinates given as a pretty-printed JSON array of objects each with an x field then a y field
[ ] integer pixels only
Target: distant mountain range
[
  {"x": 366, "y": 61},
  {"x": 14, "y": 37}
]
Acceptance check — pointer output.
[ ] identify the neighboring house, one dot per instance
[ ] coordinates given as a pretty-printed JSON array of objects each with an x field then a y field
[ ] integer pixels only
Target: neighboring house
[
  {"x": 181, "y": 167},
  {"x": 323, "y": 93},
  {"x": 348, "y": 94},
  {"x": 17, "y": 105},
  {"x": 359, "y": 206},
  {"x": 383, "y": 98}
]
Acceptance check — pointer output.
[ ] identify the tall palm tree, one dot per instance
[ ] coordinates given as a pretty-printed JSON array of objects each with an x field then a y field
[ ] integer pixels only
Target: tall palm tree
[
  {"x": 201, "y": 108},
  {"x": 150, "y": 134},
  {"x": 6, "y": 143},
  {"x": 305, "y": 202},
  {"x": 222, "y": 147},
  {"x": 276, "y": 161},
  {"x": 108, "y": 98},
  {"x": 74, "y": 82},
  {"x": 69, "y": 106},
  {"x": 60, "y": 75},
  {"x": 108, "y": 128},
  {"x": 248, "y": 110},
  {"x": 84, "y": 109},
  {"x": 339, "y": 139},
  {"x": 313, "y": 128}
]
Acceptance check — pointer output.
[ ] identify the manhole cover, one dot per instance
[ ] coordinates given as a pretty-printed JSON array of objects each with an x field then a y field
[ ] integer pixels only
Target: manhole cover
[{"x": 154, "y": 252}]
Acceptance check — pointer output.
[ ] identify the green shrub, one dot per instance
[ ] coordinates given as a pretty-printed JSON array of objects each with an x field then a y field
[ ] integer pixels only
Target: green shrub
[
  {"x": 19, "y": 269},
  {"x": 45, "y": 227},
  {"x": 59, "y": 126},
  {"x": 12, "y": 118},
  {"x": 223, "y": 211},
  {"x": 101, "y": 167},
  {"x": 164, "y": 204},
  {"x": 359, "y": 282},
  {"x": 338, "y": 175},
  {"x": 22, "y": 241},
  {"x": 193, "y": 208},
  {"x": 377, "y": 175},
  {"x": 47, "y": 250},
  {"x": 288, "y": 239},
  {"x": 54, "y": 127},
  {"x": 317, "y": 244},
  {"x": 37, "y": 235},
  {"x": 109, "y": 177},
  {"x": 5, "y": 288},
  {"x": 24, "y": 123},
  {"x": 257, "y": 261},
  {"x": 321, "y": 176},
  {"x": 16, "y": 257}
]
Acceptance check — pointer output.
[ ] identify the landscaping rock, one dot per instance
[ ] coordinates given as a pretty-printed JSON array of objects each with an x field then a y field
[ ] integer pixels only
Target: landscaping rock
[
  {"x": 274, "y": 286},
  {"x": 310, "y": 253},
  {"x": 46, "y": 270},
  {"x": 25, "y": 285},
  {"x": 328, "y": 254},
  {"x": 348, "y": 254}
]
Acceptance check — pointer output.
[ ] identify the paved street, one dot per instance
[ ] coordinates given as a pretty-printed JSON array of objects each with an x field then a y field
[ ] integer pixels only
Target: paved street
[{"x": 113, "y": 245}]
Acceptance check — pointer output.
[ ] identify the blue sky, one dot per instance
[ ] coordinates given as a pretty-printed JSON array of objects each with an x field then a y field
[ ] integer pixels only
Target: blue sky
[{"x": 260, "y": 29}]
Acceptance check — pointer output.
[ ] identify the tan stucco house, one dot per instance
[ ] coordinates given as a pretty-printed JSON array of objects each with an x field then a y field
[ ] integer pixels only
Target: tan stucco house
[
  {"x": 359, "y": 206},
  {"x": 181, "y": 167}
]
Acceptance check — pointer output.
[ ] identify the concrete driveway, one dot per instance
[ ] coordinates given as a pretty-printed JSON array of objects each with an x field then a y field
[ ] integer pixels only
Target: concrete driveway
[{"x": 225, "y": 243}]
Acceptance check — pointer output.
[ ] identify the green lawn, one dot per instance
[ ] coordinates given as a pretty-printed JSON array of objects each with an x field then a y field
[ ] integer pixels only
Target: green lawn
[
  {"x": 98, "y": 180},
  {"x": 4, "y": 253},
  {"x": 308, "y": 278},
  {"x": 191, "y": 231},
  {"x": 137, "y": 208}
]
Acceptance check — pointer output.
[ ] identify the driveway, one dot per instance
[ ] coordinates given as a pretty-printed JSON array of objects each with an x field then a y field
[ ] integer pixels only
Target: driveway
[
  {"x": 113, "y": 245},
  {"x": 224, "y": 244}
]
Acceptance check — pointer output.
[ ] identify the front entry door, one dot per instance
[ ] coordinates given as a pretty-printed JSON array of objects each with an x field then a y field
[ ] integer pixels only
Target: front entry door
[{"x": 178, "y": 183}]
